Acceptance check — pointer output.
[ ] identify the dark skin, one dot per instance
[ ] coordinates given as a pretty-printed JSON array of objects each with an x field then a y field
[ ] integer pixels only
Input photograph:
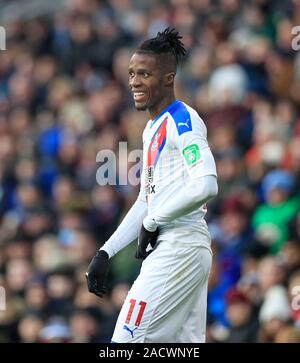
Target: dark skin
[{"x": 151, "y": 80}]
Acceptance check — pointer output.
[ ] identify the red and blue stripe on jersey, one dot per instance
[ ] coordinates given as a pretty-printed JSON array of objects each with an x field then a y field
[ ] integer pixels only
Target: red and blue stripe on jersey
[{"x": 157, "y": 144}]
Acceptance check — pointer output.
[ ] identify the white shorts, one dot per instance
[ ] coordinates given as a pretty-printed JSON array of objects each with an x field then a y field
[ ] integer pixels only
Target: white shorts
[{"x": 167, "y": 302}]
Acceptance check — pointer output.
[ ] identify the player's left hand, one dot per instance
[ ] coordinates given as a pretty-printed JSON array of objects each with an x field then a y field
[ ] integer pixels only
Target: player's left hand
[{"x": 146, "y": 237}]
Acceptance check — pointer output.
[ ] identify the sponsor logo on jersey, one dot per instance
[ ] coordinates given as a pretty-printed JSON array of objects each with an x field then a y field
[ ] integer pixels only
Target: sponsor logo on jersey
[
  {"x": 181, "y": 117},
  {"x": 129, "y": 330},
  {"x": 150, "y": 189},
  {"x": 186, "y": 124},
  {"x": 183, "y": 127},
  {"x": 191, "y": 154},
  {"x": 149, "y": 174}
]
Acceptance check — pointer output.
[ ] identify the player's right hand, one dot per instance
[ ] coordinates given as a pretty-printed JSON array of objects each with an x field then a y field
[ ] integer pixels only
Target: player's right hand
[
  {"x": 97, "y": 272},
  {"x": 145, "y": 238}
]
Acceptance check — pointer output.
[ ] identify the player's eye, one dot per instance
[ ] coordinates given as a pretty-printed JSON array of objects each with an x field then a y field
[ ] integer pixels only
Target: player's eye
[
  {"x": 130, "y": 74},
  {"x": 146, "y": 74}
]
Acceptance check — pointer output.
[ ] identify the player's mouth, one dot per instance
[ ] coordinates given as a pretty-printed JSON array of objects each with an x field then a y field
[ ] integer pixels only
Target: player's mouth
[{"x": 139, "y": 96}]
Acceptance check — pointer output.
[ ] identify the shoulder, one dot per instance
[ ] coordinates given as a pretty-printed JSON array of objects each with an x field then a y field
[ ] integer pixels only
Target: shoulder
[{"x": 185, "y": 118}]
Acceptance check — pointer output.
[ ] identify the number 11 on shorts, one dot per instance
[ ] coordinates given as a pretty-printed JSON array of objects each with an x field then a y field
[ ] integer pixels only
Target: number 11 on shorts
[{"x": 142, "y": 305}]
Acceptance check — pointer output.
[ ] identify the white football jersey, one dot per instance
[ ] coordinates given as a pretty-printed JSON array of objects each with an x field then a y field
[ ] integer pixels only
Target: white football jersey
[{"x": 175, "y": 148}]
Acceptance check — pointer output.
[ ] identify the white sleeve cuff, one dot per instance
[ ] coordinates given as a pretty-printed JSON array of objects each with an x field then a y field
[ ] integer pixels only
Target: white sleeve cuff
[{"x": 150, "y": 224}]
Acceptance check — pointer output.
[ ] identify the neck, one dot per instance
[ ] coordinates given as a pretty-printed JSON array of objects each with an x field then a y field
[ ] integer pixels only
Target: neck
[{"x": 157, "y": 109}]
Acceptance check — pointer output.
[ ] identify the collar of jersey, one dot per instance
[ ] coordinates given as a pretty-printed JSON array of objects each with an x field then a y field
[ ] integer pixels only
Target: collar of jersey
[{"x": 164, "y": 111}]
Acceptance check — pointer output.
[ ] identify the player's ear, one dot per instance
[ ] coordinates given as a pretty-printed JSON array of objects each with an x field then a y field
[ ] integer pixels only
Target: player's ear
[{"x": 169, "y": 79}]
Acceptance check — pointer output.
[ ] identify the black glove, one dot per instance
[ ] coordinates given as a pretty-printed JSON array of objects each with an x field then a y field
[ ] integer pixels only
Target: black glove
[
  {"x": 145, "y": 237},
  {"x": 96, "y": 274}
]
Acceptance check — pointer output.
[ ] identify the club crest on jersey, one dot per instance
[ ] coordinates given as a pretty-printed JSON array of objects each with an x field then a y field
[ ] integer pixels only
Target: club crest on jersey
[{"x": 155, "y": 144}]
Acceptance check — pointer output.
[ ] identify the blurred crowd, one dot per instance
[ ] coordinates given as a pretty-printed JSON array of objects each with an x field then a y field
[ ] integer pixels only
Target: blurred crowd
[{"x": 64, "y": 97}]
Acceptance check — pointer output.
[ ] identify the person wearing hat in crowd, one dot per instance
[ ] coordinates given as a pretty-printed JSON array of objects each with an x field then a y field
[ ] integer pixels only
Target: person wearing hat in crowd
[
  {"x": 243, "y": 323},
  {"x": 270, "y": 220}
]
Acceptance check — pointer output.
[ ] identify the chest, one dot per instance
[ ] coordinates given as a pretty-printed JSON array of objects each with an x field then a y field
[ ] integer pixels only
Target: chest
[{"x": 157, "y": 147}]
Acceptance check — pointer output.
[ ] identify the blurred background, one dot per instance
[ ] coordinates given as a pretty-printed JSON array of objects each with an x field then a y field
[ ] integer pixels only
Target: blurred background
[{"x": 64, "y": 97}]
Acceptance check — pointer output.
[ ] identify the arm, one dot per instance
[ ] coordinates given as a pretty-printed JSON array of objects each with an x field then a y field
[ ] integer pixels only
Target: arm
[
  {"x": 196, "y": 193},
  {"x": 127, "y": 231},
  {"x": 201, "y": 185},
  {"x": 129, "y": 228}
]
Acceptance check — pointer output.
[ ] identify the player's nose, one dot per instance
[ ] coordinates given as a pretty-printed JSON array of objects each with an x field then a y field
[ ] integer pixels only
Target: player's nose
[{"x": 135, "y": 83}]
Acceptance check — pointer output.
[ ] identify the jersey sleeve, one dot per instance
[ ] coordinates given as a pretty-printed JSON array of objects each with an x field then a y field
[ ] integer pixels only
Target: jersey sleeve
[
  {"x": 189, "y": 135},
  {"x": 142, "y": 192}
]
